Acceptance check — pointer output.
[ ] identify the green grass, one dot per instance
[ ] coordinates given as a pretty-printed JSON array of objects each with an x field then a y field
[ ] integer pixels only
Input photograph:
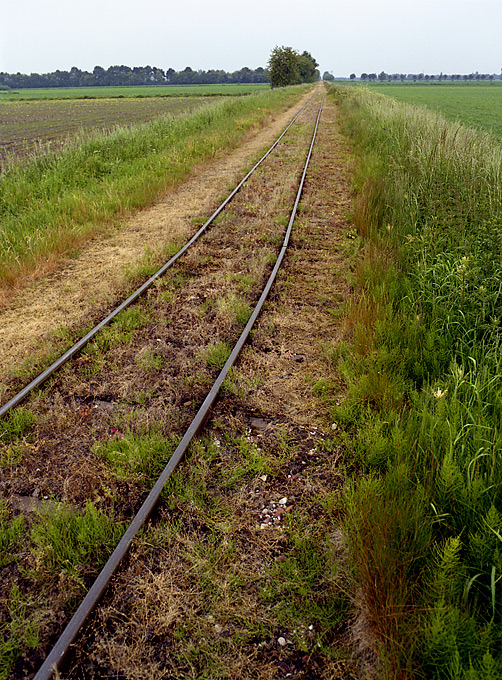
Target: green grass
[
  {"x": 132, "y": 91},
  {"x": 474, "y": 104},
  {"x": 17, "y": 635},
  {"x": 423, "y": 372},
  {"x": 140, "y": 457},
  {"x": 11, "y": 532},
  {"x": 305, "y": 588},
  {"x": 53, "y": 203},
  {"x": 77, "y": 544},
  {"x": 62, "y": 543},
  {"x": 16, "y": 424},
  {"x": 215, "y": 356}
]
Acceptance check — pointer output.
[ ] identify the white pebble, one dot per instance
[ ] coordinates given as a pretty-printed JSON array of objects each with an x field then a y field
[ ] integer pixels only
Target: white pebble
[
  {"x": 281, "y": 641},
  {"x": 283, "y": 501},
  {"x": 263, "y": 478}
]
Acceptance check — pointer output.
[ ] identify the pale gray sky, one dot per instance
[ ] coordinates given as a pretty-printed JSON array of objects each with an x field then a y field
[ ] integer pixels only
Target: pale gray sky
[{"x": 345, "y": 36}]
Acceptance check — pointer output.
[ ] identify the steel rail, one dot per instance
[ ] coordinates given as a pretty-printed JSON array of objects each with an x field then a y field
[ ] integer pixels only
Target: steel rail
[
  {"x": 22, "y": 394},
  {"x": 58, "y": 653}
]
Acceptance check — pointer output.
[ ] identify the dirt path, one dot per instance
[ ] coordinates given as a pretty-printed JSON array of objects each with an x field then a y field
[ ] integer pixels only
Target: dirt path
[{"x": 65, "y": 296}]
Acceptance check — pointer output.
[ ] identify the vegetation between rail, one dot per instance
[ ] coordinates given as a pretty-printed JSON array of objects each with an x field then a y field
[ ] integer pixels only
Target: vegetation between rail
[{"x": 424, "y": 376}]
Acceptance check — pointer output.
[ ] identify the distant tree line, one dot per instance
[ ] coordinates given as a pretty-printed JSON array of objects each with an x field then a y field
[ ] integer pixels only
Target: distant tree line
[
  {"x": 125, "y": 75},
  {"x": 389, "y": 77},
  {"x": 286, "y": 66}
]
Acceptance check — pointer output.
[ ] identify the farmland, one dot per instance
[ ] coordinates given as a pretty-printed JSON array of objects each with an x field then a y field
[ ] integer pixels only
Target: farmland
[
  {"x": 476, "y": 105},
  {"x": 127, "y": 92},
  {"x": 29, "y": 126}
]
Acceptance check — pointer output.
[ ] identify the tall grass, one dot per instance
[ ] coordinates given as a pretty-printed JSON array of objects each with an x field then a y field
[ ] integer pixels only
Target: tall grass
[
  {"x": 49, "y": 206},
  {"x": 424, "y": 375}
]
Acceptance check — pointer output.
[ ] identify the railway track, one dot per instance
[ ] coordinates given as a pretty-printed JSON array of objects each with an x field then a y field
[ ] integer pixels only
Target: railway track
[{"x": 59, "y": 651}]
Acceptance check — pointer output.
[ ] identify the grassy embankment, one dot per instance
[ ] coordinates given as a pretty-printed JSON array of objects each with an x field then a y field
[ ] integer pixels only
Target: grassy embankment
[
  {"x": 424, "y": 373},
  {"x": 56, "y": 201}
]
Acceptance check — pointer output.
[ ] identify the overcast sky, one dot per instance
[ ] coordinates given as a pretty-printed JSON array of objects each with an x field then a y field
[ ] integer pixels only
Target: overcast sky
[{"x": 345, "y": 36}]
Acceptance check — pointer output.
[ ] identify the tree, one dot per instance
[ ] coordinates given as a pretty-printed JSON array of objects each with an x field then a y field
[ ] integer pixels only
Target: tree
[
  {"x": 352, "y": 76},
  {"x": 283, "y": 67},
  {"x": 328, "y": 76},
  {"x": 307, "y": 67}
]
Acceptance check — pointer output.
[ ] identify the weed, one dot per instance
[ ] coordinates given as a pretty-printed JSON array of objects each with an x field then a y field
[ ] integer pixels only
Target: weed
[
  {"x": 234, "y": 308},
  {"x": 285, "y": 441},
  {"x": 16, "y": 635},
  {"x": 76, "y": 544},
  {"x": 305, "y": 587},
  {"x": 245, "y": 282},
  {"x": 232, "y": 384},
  {"x": 147, "y": 360},
  {"x": 140, "y": 457},
  {"x": 11, "y": 455},
  {"x": 215, "y": 356},
  {"x": 11, "y": 532},
  {"x": 16, "y": 424},
  {"x": 249, "y": 461}
]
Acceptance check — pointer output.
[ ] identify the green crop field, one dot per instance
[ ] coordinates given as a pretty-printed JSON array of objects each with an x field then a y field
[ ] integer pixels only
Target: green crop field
[
  {"x": 28, "y": 126},
  {"x": 133, "y": 91},
  {"x": 477, "y": 105}
]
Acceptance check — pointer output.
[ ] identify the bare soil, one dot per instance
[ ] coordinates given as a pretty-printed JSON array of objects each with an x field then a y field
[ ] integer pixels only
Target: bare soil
[{"x": 28, "y": 126}]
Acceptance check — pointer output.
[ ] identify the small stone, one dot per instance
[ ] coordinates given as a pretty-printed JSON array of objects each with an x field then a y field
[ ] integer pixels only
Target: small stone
[
  {"x": 218, "y": 628},
  {"x": 263, "y": 525},
  {"x": 282, "y": 641},
  {"x": 334, "y": 426},
  {"x": 283, "y": 501},
  {"x": 259, "y": 423},
  {"x": 263, "y": 478}
]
